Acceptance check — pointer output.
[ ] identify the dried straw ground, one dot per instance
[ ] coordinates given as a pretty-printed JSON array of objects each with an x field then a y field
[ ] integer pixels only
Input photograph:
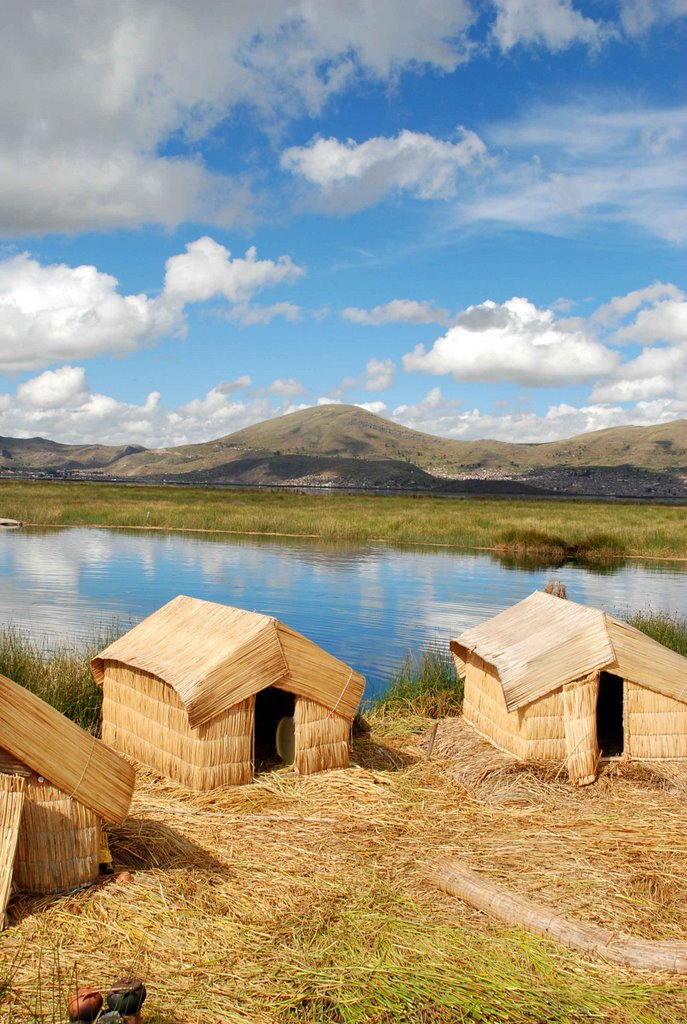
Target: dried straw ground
[{"x": 306, "y": 899}]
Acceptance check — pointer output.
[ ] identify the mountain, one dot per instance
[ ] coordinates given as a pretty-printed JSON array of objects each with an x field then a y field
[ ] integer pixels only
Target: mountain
[{"x": 345, "y": 446}]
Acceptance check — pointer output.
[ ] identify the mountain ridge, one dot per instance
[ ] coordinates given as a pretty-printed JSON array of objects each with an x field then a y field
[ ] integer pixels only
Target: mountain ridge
[{"x": 347, "y": 446}]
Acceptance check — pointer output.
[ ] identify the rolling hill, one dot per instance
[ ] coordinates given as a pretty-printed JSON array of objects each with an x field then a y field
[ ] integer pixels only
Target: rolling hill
[{"x": 345, "y": 446}]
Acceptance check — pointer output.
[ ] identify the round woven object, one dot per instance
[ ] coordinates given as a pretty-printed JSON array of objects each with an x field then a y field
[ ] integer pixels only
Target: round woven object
[{"x": 286, "y": 739}]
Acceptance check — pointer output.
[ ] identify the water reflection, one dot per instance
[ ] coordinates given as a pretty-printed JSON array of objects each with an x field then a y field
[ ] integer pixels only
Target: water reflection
[{"x": 370, "y": 605}]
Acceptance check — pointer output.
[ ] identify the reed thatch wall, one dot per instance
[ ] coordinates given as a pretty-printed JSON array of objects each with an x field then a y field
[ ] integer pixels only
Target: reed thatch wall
[
  {"x": 144, "y": 717},
  {"x": 59, "y": 841},
  {"x": 532, "y": 733},
  {"x": 322, "y": 738},
  {"x": 582, "y": 747},
  {"x": 655, "y": 725},
  {"x": 11, "y": 806}
]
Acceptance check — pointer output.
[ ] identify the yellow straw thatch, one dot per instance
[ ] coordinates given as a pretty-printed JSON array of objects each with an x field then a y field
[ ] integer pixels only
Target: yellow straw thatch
[
  {"x": 58, "y": 841},
  {"x": 77, "y": 763},
  {"x": 11, "y": 804}
]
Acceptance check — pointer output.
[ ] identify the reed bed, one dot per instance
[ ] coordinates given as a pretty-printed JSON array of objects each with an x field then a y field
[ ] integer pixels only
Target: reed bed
[{"x": 551, "y": 530}]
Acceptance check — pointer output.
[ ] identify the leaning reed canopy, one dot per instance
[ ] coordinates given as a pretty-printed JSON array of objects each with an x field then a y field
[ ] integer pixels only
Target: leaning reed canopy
[
  {"x": 11, "y": 805},
  {"x": 73, "y": 760}
]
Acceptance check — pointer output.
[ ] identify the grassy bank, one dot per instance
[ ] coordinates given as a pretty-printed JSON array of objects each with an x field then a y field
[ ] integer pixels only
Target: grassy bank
[{"x": 555, "y": 529}]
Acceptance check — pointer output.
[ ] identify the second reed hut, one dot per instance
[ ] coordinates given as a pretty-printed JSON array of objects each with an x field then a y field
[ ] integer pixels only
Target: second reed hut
[
  {"x": 551, "y": 679},
  {"x": 198, "y": 691},
  {"x": 57, "y": 783}
]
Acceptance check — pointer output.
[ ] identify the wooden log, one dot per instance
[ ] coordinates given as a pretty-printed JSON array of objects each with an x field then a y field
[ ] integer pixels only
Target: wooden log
[{"x": 478, "y": 891}]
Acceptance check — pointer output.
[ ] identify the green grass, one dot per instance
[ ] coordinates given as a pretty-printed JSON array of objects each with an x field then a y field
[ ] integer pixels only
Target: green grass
[
  {"x": 61, "y": 677},
  {"x": 425, "y": 685},
  {"x": 670, "y": 630},
  {"x": 564, "y": 529}
]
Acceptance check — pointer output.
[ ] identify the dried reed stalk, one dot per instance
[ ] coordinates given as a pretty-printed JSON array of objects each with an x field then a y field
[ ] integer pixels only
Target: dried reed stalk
[
  {"x": 73, "y": 760},
  {"x": 11, "y": 804},
  {"x": 319, "y": 676},
  {"x": 478, "y": 891}
]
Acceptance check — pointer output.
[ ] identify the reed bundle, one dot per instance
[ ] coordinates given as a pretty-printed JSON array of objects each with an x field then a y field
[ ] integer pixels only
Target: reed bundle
[
  {"x": 11, "y": 804},
  {"x": 73, "y": 760},
  {"x": 648, "y": 954}
]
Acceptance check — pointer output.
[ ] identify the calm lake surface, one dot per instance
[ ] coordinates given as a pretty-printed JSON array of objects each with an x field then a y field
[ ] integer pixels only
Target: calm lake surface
[{"x": 370, "y": 605}]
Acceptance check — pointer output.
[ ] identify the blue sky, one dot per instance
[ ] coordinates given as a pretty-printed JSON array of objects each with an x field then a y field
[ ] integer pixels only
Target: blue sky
[{"x": 468, "y": 217}]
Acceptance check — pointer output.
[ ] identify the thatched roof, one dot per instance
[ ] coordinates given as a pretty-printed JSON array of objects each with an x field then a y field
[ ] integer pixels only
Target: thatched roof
[
  {"x": 63, "y": 753},
  {"x": 543, "y": 642},
  {"x": 215, "y": 656}
]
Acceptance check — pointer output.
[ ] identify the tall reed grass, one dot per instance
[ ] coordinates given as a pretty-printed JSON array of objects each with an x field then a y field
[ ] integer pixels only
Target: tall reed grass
[
  {"x": 425, "y": 685},
  {"x": 60, "y": 676}
]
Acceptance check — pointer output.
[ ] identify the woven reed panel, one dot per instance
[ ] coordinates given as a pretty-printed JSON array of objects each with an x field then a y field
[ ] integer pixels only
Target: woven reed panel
[
  {"x": 72, "y": 759},
  {"x": 322, "y": 738},
  {"x": 11, "y": 806},
  {"x": 58, "y": 844},
  {"x": 579, "y": 701},
  {"x": 145, "y": 718}
]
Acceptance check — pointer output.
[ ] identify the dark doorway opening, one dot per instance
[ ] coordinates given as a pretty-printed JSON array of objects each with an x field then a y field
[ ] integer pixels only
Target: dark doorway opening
[
  {"x": 271, "y": 705},
  {"x": 610, "y": 728}
]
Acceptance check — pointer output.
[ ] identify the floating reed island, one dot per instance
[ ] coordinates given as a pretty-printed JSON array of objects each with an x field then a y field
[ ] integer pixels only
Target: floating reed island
[
  {"x": 306, "y": 898},
  {"x": 201, "y": 692}
]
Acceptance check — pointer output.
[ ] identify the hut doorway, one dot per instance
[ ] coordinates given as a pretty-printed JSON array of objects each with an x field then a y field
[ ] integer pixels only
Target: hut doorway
[
  {"x": 271, "y": 706},
  {"x": 610, "y": 715}
]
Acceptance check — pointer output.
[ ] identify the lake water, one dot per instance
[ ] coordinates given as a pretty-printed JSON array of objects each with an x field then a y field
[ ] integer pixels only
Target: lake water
[{"x": 370, "y": 605}]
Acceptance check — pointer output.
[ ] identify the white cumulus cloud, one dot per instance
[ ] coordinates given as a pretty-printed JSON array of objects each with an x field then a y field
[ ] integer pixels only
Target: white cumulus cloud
[
  {"x": 58, "y": 312},
  {"x": 381, "y": 374},
  {"x": 353, "y": 175},
  {"x": 397, "y": 311},
  {"x": 516, "y": 342},
  {"x": 207, "y": 269},
  {"x": 93, "y": 92},
  {"x": 553, "y": 24}
]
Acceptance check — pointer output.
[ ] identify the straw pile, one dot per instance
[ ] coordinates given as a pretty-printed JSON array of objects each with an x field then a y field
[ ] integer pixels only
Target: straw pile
[{"x": 305, "y": 898}]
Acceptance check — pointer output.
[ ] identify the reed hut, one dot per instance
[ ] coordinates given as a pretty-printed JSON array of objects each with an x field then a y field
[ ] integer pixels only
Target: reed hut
[
  {"x": 57, "y": 784},
  {"x": 203, "y": 692},
  {"x": 551, "y": 679}
]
